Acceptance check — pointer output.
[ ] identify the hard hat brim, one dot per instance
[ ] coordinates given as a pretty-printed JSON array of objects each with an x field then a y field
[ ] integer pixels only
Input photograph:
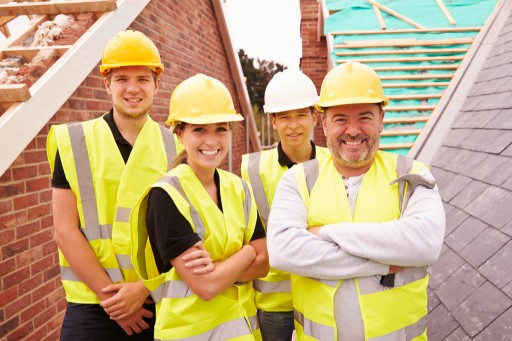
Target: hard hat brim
[
  {"x": 270, "y": 109},
  {"x": 354, "y": 100},
  {"x": 208, "y": 119}
]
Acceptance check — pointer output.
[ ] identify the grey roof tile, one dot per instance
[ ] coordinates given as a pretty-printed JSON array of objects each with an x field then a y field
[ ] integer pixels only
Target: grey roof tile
[
  {"x": 474, "y": 119},
  {"x": 507, "y": 229},
  {"x": 447, "y": 264},
  {"x": 444, "y": 158},
  {"x": 454, "y": 217},
  {"x": 499, "y": 330},
  {"x": 484, "y": 140},
  {"x": 433, "y": 300},
  {"x": 457, "y": 137},
  {"x": 503, "y": 120},
  {"x": 496, "y": 101},
  {"x": 508, "y": 151},
  {"x": 458, "y": 335},
  {"x": 508, "y": 290},
  {"x": 483, "y": 247},
  {"x": 491, "y": 169},
  {"x": 493, "y": 206},
  {"x": 465, "y": 234},
  {"x": 497, "y": 268},
  {"x": 464, "y": 161},
  {"x": 459, "y": 286},
  {"x": 507, "y": 184},
  {"x": 481, "y": 308},
  {"x": 450, "y": 184},
  {"x": 469, "y": 194},
  {"x": 440, "y": 324}
]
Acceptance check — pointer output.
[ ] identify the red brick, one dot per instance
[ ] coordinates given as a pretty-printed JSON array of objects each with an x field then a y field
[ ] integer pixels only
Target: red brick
[
  {"x": 28, "y": 257},
  {"x": 28, "y": 229},
  {"x": 6, "y": 205},
  {"x": 15, "y": 277},
  {"x": 45, "y": 195},
  {"x": 52, "y": 272},
  {"x": 38, "y": 184},
  {"x": 6, "y": 236},
  {"x": 17, "y": 305},
  {"x": 35, "y": 156},
  {"x": 7, "y": 326},
  {"x": 7, "y": 266},
  {"x": 24, "y": 172},
  {"x": 8, "y": 295},
  {"x": 6, "y": 177},
  {"x": 50, "y": 248},
  {"x": 12, "y": 189},
  {"x": 39, "y": 211},
  {"x": 39, "y": 333},
  {"x": 46, "y": 222},
  {"x": 41, "y": 238},
  {"x": 44, "y": 168},
  {"x": 15, "y": 248},
  {"x": 30, "y": 283},
  {"x": 31, "y": 311},
  {"x": 41, "y": 292},
  {"x": 21, "y": 332},
  {"x": 41, "y": 265},
  {"x": 27, "y": 200},
  {"x": 44, "y": 316}
]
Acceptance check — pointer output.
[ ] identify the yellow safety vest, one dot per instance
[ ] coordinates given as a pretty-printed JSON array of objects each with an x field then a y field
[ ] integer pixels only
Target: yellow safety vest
[
  {"x": 389, "y": 314},
  {"x": 180, "y": 313},
  {"x": 263, "y": 171},
  {"x": 106, "y": 190}
]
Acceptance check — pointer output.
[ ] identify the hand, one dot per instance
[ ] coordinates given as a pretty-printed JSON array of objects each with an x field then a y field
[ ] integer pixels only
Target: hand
[
  {"x": 199, "y": 260},
  {"x": 394, "y": 269},
  {"x": 135, "y": 323},
  {"x": 128, "y": 298},
  {"x": 314, "y": 229}
]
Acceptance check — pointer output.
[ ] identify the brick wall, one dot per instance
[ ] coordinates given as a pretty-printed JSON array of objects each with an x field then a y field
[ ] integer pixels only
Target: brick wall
[
  {"x": 314, "y": 52},
  {"x": 31, "y": 297}
]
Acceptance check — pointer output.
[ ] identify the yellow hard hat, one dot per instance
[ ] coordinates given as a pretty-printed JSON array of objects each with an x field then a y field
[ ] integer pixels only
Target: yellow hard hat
[
  {"x": 130, "y": 48},
  {"x": 351, "y": 83},
  {"x": 201, "y": 100}
]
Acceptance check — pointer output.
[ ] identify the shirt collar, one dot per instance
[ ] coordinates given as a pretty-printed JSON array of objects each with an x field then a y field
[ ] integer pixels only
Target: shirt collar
[
  {"x": 285, "y": 161},
  {"x": 109, "y": 118}
]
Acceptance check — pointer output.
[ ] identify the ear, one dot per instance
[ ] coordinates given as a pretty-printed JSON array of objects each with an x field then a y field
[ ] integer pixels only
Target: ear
[
  {"x": 273, "y": 120},
  {"x": 106, "y": 82},
  {"x": 314, "y": 116},
  {"x": 323, "y": 119},
  {"x": 381, "y": 114},
  {"x": 157, "y": 85}
]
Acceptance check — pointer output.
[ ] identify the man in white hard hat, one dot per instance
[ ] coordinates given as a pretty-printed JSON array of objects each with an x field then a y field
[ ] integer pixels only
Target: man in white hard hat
[
  {"x": 357, "y": 229},
  {"x": 290, "y": 97}
]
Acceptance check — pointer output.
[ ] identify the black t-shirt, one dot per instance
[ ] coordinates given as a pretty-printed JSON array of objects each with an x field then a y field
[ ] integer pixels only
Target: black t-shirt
[
  {"x": 59, "y": 179},
  {"x": 170, "y": 234}
]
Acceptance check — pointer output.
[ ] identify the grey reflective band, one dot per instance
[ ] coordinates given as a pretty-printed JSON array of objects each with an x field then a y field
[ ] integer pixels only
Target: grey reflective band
[
  {"x": 403, "y": 166},
  {"x": 67, "y": 274},
  {"x": 123, "y": 214},
  {"x": 227, "y": 330},
  {"x": 247, "y": 202},
  {"x": 407, "y": 333},
  {"x": 311, "y": 173},
  {"x": 196, "y": 218},
  {"x": 169, "y": 145},
  {"x": 313, "y": 329},
  {"x": 266, "y": 287},
  {"x": 257, "y": 186},
  {"x": 125, "y": 261},
  {"x": 101, "y": 232},
  {"x": 253, "y": 320},
  {"x": 92, "y": 229}
]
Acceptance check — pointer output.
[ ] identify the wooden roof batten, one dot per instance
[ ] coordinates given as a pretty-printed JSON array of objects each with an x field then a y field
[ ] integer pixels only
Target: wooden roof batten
[
  {"x": 405, "y": 51},
  {"x": 22, "y": 121}
]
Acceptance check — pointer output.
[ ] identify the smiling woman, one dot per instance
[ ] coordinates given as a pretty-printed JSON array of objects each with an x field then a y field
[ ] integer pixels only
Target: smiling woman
[{"x": 266, "y": 29}]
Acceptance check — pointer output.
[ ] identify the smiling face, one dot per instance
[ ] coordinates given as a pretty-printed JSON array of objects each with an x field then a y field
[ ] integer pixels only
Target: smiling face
[
  {"x": 294, "y": 126},
  {"x": 132, "y": 89},
  {"x": 206, "y": 145},
  {"x": 353, "y": 135}
]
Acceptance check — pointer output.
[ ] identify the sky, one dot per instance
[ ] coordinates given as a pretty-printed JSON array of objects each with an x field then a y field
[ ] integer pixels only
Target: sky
[{"x": 266, "y": 29}]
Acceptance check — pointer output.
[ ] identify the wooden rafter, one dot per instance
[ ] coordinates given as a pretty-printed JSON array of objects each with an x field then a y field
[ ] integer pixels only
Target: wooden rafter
[
  {"x": 415, "y": 85},
  {"x": 403, "y": 43},
  {"x": 400, "y": 132},
  {"x": 449, "y": 51},
  {"x": 57, "y": 7},
  {"x": 406, "y": 59}
]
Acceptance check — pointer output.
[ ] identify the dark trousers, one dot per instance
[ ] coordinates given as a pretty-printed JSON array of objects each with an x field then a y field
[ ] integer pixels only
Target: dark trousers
[
  {"x": 89, "y": 322},
  {"x": 276, "y": 326}
]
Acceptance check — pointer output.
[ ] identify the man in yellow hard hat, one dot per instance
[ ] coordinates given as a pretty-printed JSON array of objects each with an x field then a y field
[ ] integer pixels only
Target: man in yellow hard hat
[
  {"x": 290, "y": 97},
  {"x": 358, "y": 228},
  {"x": 99, "y": 169}
]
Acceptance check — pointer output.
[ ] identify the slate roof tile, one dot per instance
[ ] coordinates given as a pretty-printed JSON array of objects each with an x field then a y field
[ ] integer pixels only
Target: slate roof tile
[
  {"x": 469, "y": 194},
  {"x": 454, "y": 217},
  {"x": 503, "y": 120},
  {"x": 450, "y": 184},
  {"x": 499, "y": 330},
  {"x": 481, "y": 308},
  {"x": 440, "y": 323},
  {"x": 472, "y": 119},
  {"x": 493, "y": 206},
  {"x": 458, "y": 335},
  {"x": 491, "y": 169},
  {"x": 465, "y": 234},
  {"x": 459, "y": 286},
  {"x": 497, "y": 268},
  {"x": 483, "y": 247},
  {"x": 447, "y": 264}
]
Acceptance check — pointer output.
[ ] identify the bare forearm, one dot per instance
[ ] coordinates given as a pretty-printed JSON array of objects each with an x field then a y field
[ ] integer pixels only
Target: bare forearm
[{"x": 260, "y": 266}]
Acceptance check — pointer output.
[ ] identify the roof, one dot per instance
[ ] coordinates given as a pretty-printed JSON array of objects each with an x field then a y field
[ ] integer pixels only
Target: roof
[
  {"x": 471, "y": 283},
  {"x": 416, "y": 55}
]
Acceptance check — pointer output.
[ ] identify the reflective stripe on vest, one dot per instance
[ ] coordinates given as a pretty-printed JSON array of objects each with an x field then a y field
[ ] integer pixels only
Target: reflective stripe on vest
[
  {"x": 408, "y": 333},
  {"x": 92, "y": 229},
  {"x": 228, "y": 330},
  {"x": 257, "y": 186},
  {"x": 313, "y": 329}
]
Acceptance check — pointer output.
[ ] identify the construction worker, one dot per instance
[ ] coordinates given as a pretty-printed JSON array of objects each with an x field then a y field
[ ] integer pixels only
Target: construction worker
[
  {"x": 357, "y": 228},
  {"x": 290, "y": 97},
  {"x": 197, "y": 202},
  {"x": 99, "y": 169}
]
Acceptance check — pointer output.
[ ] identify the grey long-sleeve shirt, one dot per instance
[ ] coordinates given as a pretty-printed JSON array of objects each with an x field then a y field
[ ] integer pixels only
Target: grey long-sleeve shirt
[{"x": 349, "y": 250}]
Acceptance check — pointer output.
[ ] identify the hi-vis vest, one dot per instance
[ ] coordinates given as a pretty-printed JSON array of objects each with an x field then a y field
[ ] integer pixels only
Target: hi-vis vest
[
  {"x": 180, "y": 313},
  {"x": 106, "y": 189},
  {"x": 263, "y": 171},
  {"x": 389, "y": 314}
]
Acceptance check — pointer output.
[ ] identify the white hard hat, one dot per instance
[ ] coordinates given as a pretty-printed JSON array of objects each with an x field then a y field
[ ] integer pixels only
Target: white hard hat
[{"x": 289, "y": 90}]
